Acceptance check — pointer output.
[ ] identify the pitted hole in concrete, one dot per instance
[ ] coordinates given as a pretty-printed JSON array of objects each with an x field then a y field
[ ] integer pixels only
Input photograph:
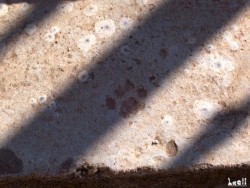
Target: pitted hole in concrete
[
  {"x": 171, "y": 148},
  {"x": 131, "y": 106},
  {"x": 9, "y": 162}
]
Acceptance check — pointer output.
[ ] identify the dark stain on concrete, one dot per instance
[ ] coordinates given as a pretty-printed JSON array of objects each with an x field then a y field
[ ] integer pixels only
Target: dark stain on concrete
[
  {"x": 110, "y": 103},
  {"x": 141, "y": 91},
  {"x": 131, "y": 106}
]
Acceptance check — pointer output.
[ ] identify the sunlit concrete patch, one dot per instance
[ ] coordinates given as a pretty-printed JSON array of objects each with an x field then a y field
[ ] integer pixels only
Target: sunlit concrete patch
[
  {"x": 3, "y": 9},
  {"x": 117, "y": 83}
]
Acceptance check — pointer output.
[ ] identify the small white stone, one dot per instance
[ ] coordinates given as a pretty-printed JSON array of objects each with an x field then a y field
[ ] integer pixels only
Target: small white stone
[
  {"x": 234, "y": 46},
  {"x": 3, "y": 9},
  {"x": 30, "y": 29},
  {"x": 42, "y": 99},
  {"x": 83, "y": 76},
  {"x": 231, "y": 42},
  {"x": 65, "y": 7},
  {"x": 126, "y": 23},
  {"x": 85, "y": 43},
  {"x": 210, "y": 47},
  {"x": 205, "y": 109},
  {"x": 105, "y": 28},
  {"x": 167, "y": 120},
  {"x": 90, "y": 10},
  {"x": 234, "y": 27}
]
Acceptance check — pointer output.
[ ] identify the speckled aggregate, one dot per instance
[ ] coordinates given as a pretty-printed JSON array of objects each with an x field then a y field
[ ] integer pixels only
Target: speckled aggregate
[{"x": 96, "y": 81}]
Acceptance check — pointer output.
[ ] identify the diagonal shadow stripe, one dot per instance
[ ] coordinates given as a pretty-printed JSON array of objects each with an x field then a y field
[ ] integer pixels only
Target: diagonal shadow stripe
[
  {"x": 39, "y": 11},
  {"x": 217, "y": 131},
  {"x": 82, "y": 123}
]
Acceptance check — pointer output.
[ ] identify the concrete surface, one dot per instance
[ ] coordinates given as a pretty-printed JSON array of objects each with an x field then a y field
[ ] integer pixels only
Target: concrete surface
[{"x": 123, "y": 84}]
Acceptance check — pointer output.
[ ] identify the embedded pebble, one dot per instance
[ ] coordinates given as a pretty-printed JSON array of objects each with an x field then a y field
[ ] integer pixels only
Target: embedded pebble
[
  {"x": 66, "y": 7},
  {"x": 167, "y": 120},
  {"x": 105, "y": 28},
  {"x": 205, "y": 109},
  {"x": 83, "y": 76},
  {"x": 90, "y": 10},
  {"x": 3, "y": 9},
  {"x": 234, "y": 46},
  {"x": 30, "y": 29},
  {"x": 171, "y": 148},
  {"x": 126, "y": 23},
  {"x": 85, "y": 43},
  {"x": 42, "y": 99}
]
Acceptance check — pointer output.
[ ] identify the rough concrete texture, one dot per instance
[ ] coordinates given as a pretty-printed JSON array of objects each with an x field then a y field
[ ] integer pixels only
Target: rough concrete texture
[{"x": 123, "y": 84}]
